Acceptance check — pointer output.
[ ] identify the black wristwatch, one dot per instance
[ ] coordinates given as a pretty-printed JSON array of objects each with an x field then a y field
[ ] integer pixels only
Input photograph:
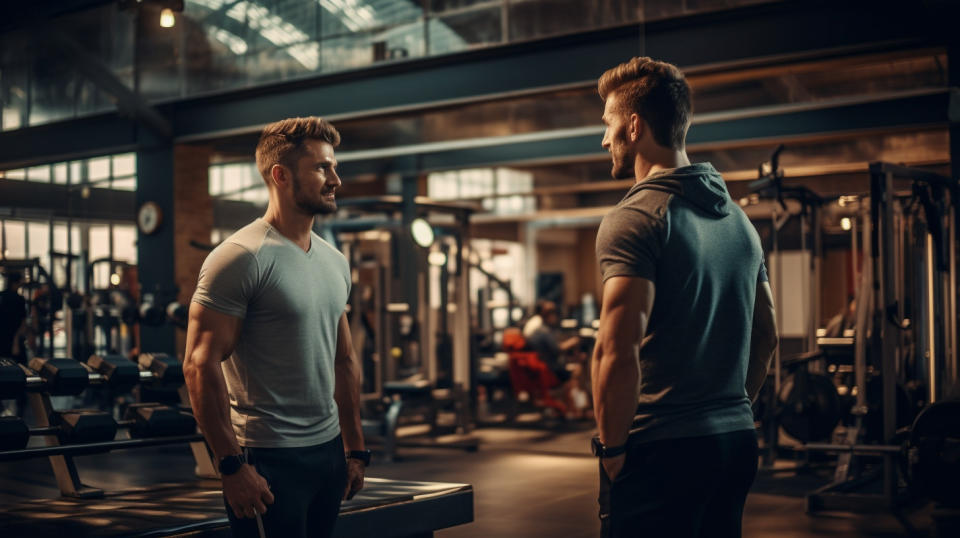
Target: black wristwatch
[
  {"x": 602, "y": 451},
  {"x": 362, "y": 455},
  {"x": 231, "y": 464}
]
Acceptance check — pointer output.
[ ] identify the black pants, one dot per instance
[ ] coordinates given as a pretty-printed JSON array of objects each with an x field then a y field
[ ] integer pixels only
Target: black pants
[
  {"x": 307, "y": 485},
  {"x": 680, "y": 488}
]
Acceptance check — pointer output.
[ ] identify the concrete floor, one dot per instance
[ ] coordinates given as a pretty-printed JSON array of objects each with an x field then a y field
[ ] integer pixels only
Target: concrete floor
[{"x": 528, "y": 483}]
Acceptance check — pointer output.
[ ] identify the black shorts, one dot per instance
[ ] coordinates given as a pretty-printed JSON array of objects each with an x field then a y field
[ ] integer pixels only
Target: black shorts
[
  {"x": 680, "y": 488},
  {"x": 307, "y": 485}
]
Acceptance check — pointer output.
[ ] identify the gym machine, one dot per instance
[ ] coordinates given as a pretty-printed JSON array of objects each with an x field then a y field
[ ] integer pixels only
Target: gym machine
[
  {"x": 44, "y": 299},
  {"x": 409, "y": 317},
  {"x": 782, "y": 403},
  {"x": 907, "y": 300}
]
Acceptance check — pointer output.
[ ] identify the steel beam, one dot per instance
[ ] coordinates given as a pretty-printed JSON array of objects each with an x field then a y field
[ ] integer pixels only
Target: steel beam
[
  {"x": 911, "y": 111},
  {"x": 748, "y": 36},
  {"x": 28, "y": 199}
]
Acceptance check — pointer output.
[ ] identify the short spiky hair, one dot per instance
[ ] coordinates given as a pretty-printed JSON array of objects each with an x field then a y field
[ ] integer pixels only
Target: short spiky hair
[
  {"x": 282, "y": 142},
  {"x": 657, "y": 92}
]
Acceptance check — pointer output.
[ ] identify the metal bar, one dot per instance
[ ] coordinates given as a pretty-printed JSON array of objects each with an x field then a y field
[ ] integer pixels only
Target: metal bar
[
  {"x": 951, "y": 327},
  {"x": 889, "y": 334},
  {"x": 856, "y": 449},
  {"x": 70, "y": 450},
  {"x": 931, "y": 335}
]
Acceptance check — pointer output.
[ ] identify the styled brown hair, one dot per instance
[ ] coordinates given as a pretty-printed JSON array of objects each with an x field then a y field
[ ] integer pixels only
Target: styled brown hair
[
  {"x": 281, "y": 142},
  {"x": 657, "y": 92}
]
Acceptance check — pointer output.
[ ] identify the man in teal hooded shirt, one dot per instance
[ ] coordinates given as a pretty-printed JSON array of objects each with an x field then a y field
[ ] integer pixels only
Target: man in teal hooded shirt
[{"x": 687, "y": 324}]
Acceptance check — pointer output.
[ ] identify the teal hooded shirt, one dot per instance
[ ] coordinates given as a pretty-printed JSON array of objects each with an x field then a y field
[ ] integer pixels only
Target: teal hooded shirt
[{"x": 679, "y": 229}]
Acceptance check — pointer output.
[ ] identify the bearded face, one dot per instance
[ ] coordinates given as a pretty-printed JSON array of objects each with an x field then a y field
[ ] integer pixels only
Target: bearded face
[
  {"x": 314, "y": 181},
  {"x": 319, "y": 202},
  {"x": 616, "y": 140},
  {"x": 622, "y": 155}
]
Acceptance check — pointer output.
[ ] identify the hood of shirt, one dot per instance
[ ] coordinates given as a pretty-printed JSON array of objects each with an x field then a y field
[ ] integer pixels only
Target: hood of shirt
[{"x": 699, "y": 183}]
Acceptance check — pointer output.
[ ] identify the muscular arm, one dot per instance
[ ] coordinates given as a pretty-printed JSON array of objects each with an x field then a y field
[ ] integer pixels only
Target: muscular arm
[
  {"x": 763, "y": 339},
  {"x": 211, "y": 337},
  {"x": 615, "y": 368}
]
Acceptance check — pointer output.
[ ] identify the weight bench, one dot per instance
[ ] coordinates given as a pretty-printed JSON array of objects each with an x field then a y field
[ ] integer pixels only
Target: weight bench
[{"x": 383, "y": 509}]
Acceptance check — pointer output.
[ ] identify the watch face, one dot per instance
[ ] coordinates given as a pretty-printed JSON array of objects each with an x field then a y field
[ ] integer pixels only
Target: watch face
[{"x": 231, "y": 464}]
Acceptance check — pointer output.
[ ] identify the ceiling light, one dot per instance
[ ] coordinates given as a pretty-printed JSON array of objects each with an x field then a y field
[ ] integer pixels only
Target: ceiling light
[
  {"x": 422, "y": 232},
  {"x": 167, "y": 20},
  {"x": 845, "y": 223}
]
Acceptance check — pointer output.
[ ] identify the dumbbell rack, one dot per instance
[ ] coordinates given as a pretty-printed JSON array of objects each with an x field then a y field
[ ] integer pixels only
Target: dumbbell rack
[{"x": 61, "y": 455}]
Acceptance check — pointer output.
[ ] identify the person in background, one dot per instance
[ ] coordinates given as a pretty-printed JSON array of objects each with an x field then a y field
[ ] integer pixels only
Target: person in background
[
  {"x": 540, "y": 332},
  {"x": 13, "y": 317}
]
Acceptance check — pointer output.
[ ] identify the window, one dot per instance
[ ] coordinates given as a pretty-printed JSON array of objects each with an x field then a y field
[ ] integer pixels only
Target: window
[{"x": 501, "y": 190}]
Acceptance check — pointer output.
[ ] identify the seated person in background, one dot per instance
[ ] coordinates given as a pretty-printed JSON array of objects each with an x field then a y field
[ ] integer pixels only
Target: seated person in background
[
  {"x": 844, "y": 320},
  {"x": 540, "y": 333}
]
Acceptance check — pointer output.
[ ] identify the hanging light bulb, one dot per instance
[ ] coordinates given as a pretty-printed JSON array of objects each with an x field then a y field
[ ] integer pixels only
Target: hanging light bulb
[
  {"x": 167, "y": 20},
  {"x": 845, "y": 223}
]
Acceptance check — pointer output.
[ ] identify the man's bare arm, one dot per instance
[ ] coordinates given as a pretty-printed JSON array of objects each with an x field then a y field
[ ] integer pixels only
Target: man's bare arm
[
  {"x": 211, "y": 337},
  {"x": 763, "y": 340},
  {"x": 615, "y": 369}
]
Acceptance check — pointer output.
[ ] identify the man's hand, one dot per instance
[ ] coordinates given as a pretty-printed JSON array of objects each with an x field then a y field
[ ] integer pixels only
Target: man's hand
[
  {"x": 613, "y": 466},
  {"x": 355, "y": 472},
  {"x": 247, "y": 492}
]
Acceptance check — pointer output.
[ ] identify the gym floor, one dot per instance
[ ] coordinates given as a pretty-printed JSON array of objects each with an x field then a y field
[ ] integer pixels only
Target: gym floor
[{"x": 528, "y": 483}]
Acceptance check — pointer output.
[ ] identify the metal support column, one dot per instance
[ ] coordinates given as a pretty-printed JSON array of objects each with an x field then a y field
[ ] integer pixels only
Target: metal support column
[{"x": 155, "y": 252}]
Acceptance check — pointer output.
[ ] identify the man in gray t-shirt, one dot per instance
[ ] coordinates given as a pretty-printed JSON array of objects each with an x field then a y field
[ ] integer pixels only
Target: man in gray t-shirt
[{"x": 269, "y": 361}]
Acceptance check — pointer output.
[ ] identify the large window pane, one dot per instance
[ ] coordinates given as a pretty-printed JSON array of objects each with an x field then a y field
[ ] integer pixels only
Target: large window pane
[
  {"x": 13, "y": 85},
  {"x": 100, "y": 248},
  {"x": 124, "y": 164},
  {"x": 125, "y": 243},
  {"x": 38, "y": 234},
  {"x": 532, "y": 19},
  {"x": 14, "y": 239},
  {"x": 466, "y": 29},
  {"x": 98, "y": 169},
  {"x": 363, "y": 48},
  {"x": 60, "y": 173}
]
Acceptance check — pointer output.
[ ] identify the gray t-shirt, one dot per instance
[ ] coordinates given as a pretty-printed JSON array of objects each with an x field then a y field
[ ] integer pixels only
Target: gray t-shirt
[
  {"x": 280, "y": 376},
  {"x": 680, "y": 229}
]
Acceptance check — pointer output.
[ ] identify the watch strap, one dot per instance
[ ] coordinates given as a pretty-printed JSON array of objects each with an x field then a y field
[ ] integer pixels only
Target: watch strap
[
  {"x": 362, "y": 455},
  {"x": 231, "y": 464},
  {"x": 602, "y": 451}
]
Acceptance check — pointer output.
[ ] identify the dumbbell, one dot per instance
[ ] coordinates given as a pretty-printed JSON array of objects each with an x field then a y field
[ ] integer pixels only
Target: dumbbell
[
  {"x": 84, "y": 426},
  {"x": 72, "y": 427},
  {"x": 167, "y": 371},
  {"x": 13, "y": 379},
  {"x": 61, "y": 377},
  {"x": 158, "y": 420},
  {"x": 116, "y": 371}
]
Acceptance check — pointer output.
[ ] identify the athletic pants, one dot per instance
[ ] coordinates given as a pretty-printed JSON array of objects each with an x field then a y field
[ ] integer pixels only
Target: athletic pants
[
  {"x": 307, "y": 485},
  {"x": 680, "y": 488}
]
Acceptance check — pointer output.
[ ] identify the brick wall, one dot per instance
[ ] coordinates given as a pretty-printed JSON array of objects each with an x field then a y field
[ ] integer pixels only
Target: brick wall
[{"x": 193, "y": 219}]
